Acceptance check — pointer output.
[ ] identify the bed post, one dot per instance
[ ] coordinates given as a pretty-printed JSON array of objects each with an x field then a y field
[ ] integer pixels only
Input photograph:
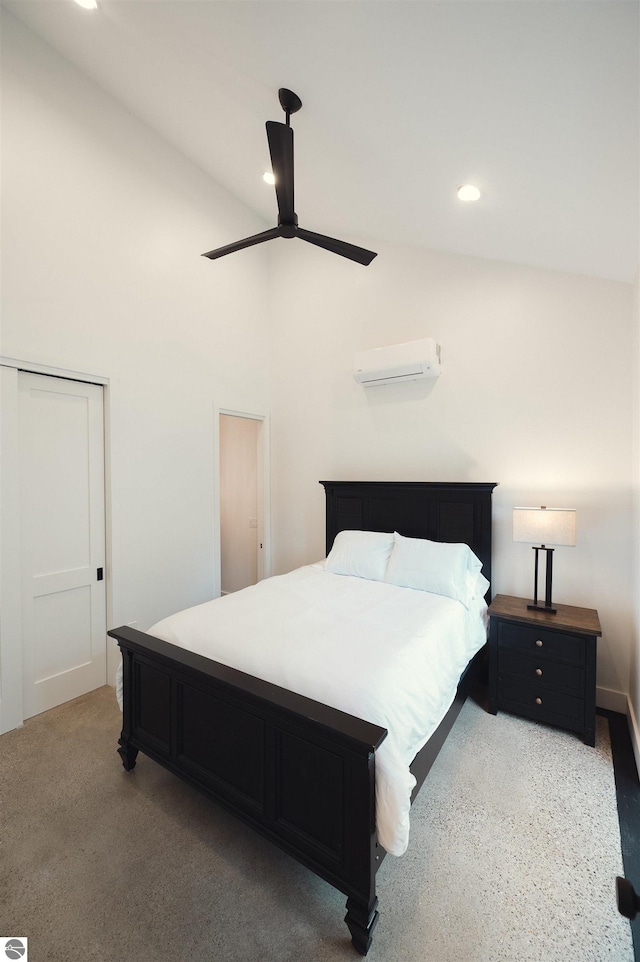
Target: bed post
[
  {"x": 127, "y": 752},
  {"x": 365, "y": 857},
  {"x": 361, "y": 919}
]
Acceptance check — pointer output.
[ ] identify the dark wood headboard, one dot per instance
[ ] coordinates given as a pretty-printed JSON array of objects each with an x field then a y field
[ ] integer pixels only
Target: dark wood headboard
[{"x": 454, "y": 512}]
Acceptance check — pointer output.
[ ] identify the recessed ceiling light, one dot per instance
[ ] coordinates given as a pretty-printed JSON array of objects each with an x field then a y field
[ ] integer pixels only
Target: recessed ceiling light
[
  {"x": 468, "y": 192},
  {"x": 268, "y": 177},
  {"x": 87, "y": 4}
]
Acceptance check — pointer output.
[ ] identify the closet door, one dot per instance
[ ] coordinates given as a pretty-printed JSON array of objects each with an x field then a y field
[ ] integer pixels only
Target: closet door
[{"x": 62, "y": 539}]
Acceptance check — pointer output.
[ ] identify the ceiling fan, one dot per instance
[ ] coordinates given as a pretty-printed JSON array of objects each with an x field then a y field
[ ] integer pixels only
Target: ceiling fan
[{"x": 280, "y": 137}]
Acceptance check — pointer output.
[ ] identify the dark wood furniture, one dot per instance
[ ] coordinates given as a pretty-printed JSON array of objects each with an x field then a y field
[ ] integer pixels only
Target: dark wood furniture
[
  {"x": 299, "y": 772},
  {"x": 543, "y": 666}
]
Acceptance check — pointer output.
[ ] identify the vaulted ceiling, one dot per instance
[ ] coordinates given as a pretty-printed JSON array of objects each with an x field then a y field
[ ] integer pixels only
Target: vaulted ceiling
[{"x": 534, "y": 101}]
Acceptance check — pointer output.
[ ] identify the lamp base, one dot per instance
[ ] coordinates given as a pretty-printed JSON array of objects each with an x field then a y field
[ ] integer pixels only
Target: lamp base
[{"x": 549, "y": 610}]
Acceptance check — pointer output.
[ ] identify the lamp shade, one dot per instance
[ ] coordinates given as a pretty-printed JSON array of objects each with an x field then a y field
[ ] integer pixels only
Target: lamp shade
[{"x": 545, "y": 525}]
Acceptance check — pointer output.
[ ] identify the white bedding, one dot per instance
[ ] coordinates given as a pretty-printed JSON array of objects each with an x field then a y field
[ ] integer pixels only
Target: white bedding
[{"x": 390, "y": 655}]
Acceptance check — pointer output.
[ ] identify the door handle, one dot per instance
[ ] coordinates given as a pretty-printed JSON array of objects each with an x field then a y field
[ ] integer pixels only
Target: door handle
[{"x": 100, "y": 574}]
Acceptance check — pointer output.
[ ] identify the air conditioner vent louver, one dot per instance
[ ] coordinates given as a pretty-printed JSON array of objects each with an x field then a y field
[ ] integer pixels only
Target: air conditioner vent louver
[{"x": 410, "y": 361}]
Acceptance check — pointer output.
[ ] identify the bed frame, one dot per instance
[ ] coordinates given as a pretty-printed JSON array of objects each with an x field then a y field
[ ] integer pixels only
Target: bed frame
[{"x": 299, "y": 772}]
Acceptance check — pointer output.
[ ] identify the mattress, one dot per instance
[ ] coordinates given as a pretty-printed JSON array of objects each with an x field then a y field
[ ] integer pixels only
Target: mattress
[{"x": 387, "y": 654}]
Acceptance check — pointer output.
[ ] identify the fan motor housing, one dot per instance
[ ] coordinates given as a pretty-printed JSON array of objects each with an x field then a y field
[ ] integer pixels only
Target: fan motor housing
[{"x": 290, "y": 229}]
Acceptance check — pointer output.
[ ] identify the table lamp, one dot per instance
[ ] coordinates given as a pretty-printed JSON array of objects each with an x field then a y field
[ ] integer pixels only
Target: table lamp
[{"x": 541, "y": 527}]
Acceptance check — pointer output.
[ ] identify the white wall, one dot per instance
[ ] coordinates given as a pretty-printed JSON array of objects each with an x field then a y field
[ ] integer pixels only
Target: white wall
[
  {"x": 535, "y": 393},
  {"x": 634, "y": 676},
  {"x": 103, "y": 225}
]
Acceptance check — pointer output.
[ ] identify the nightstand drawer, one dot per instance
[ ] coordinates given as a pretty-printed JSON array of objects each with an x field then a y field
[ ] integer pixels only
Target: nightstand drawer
[
  {"x": 534, "y": 640},
  {"x": 546, "y": 705},
  {"x": 541, "y": 671}
]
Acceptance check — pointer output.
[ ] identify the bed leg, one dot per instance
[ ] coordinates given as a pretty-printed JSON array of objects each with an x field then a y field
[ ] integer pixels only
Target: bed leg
[
  {"x": 128, "y": 754},
  {"x": 361, "y": 919}
]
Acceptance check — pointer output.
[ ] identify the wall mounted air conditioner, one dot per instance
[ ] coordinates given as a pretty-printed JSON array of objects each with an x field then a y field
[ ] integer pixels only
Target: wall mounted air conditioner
[{"x": 410, "y": 361}]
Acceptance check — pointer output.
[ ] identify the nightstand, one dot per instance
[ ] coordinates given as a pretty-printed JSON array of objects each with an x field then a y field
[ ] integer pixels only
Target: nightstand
[{"x": 543, "y": 666}]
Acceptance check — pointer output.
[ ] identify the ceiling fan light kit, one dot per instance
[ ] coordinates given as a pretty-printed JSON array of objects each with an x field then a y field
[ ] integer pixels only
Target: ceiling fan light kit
[{"x": 280, "y": 138}]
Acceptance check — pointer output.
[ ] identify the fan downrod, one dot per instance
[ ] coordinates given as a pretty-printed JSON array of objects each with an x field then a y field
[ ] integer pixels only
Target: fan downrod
[{"x": 289, "y": 102}]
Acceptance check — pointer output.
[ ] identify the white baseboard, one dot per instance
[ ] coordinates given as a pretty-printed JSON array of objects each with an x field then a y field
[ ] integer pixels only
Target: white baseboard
[
  {"x": 612, "y": 700},
  {"x": 634, "y": 731},
  {"x": 620, "y": 702}
]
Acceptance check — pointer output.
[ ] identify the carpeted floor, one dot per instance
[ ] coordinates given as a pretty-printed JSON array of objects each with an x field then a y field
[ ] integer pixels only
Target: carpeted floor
[{"x": 514, "y": 850}]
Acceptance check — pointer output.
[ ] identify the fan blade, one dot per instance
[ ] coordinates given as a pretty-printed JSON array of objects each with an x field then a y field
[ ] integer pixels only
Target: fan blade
[
  {"x": 359, "y": 254},
  {"x": 280, "y": 139},
  {"x": 265, "y": 235}
]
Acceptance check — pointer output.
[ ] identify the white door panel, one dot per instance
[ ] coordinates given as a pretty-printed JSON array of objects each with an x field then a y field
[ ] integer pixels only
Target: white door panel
[{"x": 61, "y": 446}]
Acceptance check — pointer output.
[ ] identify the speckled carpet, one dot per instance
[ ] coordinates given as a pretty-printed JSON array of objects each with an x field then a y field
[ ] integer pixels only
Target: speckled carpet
[{"x": 514, "y": 851}]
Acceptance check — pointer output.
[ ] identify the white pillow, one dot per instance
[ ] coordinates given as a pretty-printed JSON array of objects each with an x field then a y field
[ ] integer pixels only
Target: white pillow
[
  {"x": 362, "y": 554},
  {"x": 476, "y": 585},
  {"x": 445, "y": 569}
]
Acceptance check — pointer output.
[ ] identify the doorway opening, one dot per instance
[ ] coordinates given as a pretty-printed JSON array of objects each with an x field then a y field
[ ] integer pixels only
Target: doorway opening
[{"x": 243, "y": 500}]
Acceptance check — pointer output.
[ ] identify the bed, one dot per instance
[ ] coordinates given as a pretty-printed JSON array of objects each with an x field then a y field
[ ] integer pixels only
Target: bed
[{"x": 300, "y": 771}]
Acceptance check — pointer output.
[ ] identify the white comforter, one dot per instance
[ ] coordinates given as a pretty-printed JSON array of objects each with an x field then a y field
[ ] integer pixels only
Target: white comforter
[{"x": 390, "y": 655}]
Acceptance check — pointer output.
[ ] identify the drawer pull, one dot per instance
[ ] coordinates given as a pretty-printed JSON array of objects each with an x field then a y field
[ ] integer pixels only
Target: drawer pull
[
  {"x": 539, "y": 643},
  {"x": 538, "y": 671},
  {"x": 538, "y": 701}
]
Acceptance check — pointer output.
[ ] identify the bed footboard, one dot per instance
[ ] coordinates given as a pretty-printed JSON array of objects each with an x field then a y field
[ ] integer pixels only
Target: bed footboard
[{"x": 299, "y": 772}]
